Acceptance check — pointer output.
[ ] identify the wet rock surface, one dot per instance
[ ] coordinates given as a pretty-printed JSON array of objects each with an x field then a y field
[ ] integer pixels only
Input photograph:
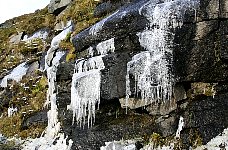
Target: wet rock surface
[{"x": 205, "y": 117}]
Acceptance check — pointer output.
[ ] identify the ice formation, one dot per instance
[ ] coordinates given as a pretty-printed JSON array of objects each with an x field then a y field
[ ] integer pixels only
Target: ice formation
[
  {"x": 98, "y": 26},
  {"x": 42, "y": 34},
  {"x": 180, "y": 127},
  {"x": 16, "y": 74},
  {"x": 152, "y": 69},
  {"x": 11, "y": 111},
  {"x": 119, "y": 145},
  {"x": 57, "y": 39},
  {"x": 217, "y": 143},
  {"x": 52, "y": 131},
  {"x": 85, "y": 88}
]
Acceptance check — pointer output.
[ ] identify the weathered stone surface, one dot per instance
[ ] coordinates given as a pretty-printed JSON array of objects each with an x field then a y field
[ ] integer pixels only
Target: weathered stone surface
[
  {"x": 109, "y": 6},
  {"x": 202, "y": 59},
  {"x": 38, "y": 118},
  {"x": 56, "y": 6},
  {"x": 32, "y": 68},
  {"x": 111, "y": 124},
  {"x": 124, "y": 23},
  {"x": 15, "y": 39},
  {"x": 200, "y": 69},
  {"x": 167, "y": 125},
  {"x": 205, "y": 115},
  {"x": 209, "y": 9},
  {"x": 223, "y": 9}
]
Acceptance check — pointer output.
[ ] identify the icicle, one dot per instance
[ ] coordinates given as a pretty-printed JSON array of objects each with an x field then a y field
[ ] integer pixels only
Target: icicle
[
  {"x": 85, "y": 89},
  {"x": 180, "y": 127},
  {"x": 152, "y": 70}
]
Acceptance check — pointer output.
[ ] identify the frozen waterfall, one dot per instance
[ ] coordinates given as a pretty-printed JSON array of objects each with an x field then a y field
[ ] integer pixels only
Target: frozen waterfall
[
  {"x": 151, "y": 70},
  {"x": 51, "y": 134},
  {"x": 85, "y": 88}
]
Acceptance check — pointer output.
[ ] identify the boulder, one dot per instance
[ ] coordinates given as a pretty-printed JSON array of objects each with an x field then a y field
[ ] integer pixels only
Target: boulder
[
  {"x": 57, "y": 6},
  {"x": 108, "y": 7},
  {"x": 35, "y": 119},
  {"x": 15, "y": 39}
]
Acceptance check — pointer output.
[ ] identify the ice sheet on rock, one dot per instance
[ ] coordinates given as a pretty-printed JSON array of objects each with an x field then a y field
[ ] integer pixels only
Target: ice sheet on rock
[
  {"x": 105, "y": 47},
  {"x": 51, "y": 133},
  {"x": 98, "y": 26},
  {"x": 55, "y": 43},
  {"x": 85, "y": 89},
  {"x": 152, "y": 70},
  {"x": 62, "y": 35},
  {"x": 16, "y": 74},
  {"x": 102, "y": 48},
  {"x": 41, "y": 34},
  {"x": 46, "y": 143}
]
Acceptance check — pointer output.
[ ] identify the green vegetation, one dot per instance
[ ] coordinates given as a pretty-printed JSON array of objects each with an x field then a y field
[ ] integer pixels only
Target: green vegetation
[{"x": 29, "y": 97}]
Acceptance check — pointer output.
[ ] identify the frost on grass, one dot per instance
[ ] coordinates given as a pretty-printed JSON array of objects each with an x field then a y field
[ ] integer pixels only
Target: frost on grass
[{"x": 151, "y": 70}]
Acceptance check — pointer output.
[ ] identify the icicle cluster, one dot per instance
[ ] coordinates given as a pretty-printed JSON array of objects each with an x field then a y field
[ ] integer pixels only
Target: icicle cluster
[
  {"x": 85, "y": 88},
  {"x": 152, "y": 69}
]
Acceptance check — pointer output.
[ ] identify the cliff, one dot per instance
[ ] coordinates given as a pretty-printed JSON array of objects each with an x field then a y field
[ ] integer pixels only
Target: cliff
[{"x": 152, "y": 71}]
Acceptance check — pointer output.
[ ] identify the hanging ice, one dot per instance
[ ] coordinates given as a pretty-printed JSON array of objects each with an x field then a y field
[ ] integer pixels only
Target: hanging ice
[
  {"x": 16, "y": 74},
  {"x": 180, "y": 127},
  {"x": 52, "y": 131},
  {"x": 85, "y": 88},
  {"x": 152, "y": 70}
]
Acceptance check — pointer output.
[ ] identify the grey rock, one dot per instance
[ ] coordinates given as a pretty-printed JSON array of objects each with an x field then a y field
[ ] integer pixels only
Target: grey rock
[
  {"x": 38, "y": 118},
  {"x": 209, "y": 9},
  {"x": 32, "y": 68},
  {"x": 207, "y": 116},
  {"x": 223, "y": 9},
  {"x": 109, "y": 6},
  {"x": 167, "y": 125},
  {"x": 15, "y": 39},
  {"x": 50, "y": 55},
  {"x": 202, "y": 59},
  {"x": 162, "y": 109},
  {"x": 57, "y": 6},
  {"x": 200, "y": 55}
]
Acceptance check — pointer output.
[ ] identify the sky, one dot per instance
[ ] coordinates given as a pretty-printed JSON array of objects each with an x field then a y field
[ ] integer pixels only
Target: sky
[{"x": 14, "y": 8}]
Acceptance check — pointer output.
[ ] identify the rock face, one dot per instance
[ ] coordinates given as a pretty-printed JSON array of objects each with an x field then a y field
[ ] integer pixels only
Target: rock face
[
  {"x": 199, "y": 67},
  {"x": 158, "y": 61}
]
